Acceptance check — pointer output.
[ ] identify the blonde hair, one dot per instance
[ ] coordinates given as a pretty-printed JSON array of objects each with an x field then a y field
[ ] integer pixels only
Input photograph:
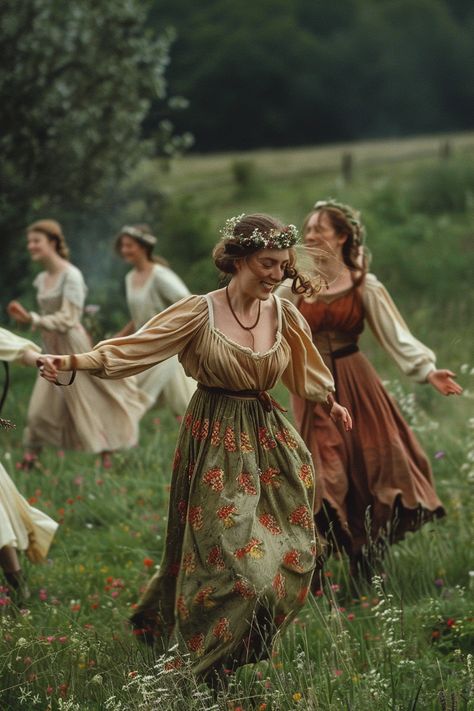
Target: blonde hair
[{"x": 54, "y": 232}]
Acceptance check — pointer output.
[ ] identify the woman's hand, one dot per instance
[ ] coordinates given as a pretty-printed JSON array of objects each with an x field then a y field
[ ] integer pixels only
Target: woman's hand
[
  {"x": 340, "y": 413},
  {"x": 442, "y": 381},
  {"x": 47, "y": 365},
  {"x": 18, "y": 312}
]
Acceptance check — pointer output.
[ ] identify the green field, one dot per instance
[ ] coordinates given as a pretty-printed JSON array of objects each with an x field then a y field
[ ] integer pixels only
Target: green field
[{"x": 402, "y": 645}]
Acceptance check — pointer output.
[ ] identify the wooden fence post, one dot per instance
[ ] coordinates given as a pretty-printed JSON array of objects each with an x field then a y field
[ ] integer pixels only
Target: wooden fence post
[{"x": 347, "y": 167}]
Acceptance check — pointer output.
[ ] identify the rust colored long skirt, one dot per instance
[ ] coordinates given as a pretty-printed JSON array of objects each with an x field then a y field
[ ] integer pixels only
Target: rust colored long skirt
[{"x": 374, "y": 483}]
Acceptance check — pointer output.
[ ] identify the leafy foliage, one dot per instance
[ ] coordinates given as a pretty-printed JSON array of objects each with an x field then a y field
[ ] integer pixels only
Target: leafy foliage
[
  {"x": 76, "y": 84},
  {"x": 289, "y": 72}
]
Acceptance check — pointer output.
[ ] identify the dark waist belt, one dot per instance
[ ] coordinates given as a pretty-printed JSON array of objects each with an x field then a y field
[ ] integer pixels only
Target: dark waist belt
[
  {"x": 346, "y": 351},
  {"x": 265, "y": 399}
]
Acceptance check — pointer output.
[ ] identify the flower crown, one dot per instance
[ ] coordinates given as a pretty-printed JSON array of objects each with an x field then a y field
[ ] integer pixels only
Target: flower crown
[
  {"x": 353, "y": 217},
  {"x": 138, "y": 234},
  {"x": 274, "y": 239}
]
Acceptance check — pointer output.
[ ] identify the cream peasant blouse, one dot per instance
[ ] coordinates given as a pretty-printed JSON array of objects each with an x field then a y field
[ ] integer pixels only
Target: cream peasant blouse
[
  {"x": 412, "y": 357},
  {"x": 61, "y": 306},
  {"x": 207, "y": 355}
]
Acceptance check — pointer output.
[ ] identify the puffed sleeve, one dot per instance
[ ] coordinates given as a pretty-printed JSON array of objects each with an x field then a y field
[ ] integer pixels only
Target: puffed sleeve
[
  {"x": 161, "y": 337},
  {"x": 12, "y": 347},
  {"x": 66, "y": 317},
  {"x": 388, "y": 326},
  {"x": 168, "y": 284},
  {"x": 306, "y": 375}
]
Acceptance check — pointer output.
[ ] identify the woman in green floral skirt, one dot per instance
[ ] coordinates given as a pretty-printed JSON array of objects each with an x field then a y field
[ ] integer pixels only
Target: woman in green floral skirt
[{"x": 240, "y": 547}]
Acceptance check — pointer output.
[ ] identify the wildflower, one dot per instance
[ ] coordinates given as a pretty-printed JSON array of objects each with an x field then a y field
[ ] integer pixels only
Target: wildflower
[
  {"x": 351, "y": 616},
  {"x": 439, "y": 582},
  {"x": 21, "y": 642},
  {"x": 337, "y": 672},
  {"x": 297, "y": 697},
  {"x": 148, "y": 562},
  {"x": 440, "y": 455}
]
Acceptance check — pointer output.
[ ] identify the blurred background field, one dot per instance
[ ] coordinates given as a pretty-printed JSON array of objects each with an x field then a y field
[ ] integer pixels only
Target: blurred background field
[
  {"x": 408, "y": 645},
  {"x": 180, "y": 115}
]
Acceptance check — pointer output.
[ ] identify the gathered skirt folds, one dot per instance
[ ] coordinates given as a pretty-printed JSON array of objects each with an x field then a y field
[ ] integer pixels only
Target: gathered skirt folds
[
  {"x": 373, "y": 484},
  {"x": 91, "y": 415},
  {"x": 22, "y": 526},
  {"x": 240, "y": 547}
]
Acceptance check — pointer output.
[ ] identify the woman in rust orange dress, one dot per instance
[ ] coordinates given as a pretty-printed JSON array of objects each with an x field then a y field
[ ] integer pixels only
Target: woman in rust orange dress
[{"x": 375, "y": 484}]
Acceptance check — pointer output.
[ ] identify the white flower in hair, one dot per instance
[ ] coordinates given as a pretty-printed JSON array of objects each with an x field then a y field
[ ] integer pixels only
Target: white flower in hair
[{"x": 274, "y": 239}]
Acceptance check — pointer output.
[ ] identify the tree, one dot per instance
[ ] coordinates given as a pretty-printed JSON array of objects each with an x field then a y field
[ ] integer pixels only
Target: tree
[{"x": 76, "y": 83}]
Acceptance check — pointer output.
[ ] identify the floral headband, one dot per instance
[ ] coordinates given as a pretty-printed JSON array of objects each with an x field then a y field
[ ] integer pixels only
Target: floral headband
[
  {"x": 138, "y": 234},
  {"x": 353, "y": 217},
  {"x": 274, "y": 239}
]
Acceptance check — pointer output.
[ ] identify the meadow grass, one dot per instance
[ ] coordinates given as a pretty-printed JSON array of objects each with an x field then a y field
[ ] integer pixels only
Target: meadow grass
[{"x": 407, "y": 641}]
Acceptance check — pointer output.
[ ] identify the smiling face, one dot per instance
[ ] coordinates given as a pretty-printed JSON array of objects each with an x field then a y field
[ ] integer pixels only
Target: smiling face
[
  {"x": 131, "y": 250},
  {"x": 40, "y": 246},
  {"x": 319, "y": 232},
  {"x": 258, "y": 274}
]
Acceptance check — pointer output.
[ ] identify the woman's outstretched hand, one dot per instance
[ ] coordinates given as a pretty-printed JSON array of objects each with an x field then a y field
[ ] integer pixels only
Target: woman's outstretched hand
[
  {"x": 442, "y": 381},
  {"x": 18, "y": 312},
  {"x": 47, "y": 365},
  {"x": 340, "y": 413}
]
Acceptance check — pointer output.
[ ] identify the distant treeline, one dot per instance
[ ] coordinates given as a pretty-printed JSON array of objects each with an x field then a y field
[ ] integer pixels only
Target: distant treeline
[{"x": 286, "y": 72}]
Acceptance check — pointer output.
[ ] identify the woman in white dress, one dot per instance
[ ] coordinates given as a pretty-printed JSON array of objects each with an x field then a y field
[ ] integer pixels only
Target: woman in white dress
[
  {"x": 92, "y": 416},
  {"x": 151, "y": 286},
  {"x": 22, "y": 527}
]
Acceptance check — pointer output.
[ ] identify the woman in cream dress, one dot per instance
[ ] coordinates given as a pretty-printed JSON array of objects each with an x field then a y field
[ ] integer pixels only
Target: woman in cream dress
[
  {"x": 22, "y": 527},
  {"x": 91, "y": 415},
  {"x": 240, "y": 545},
  {"x": 377, "y": 484},
  {"x": 151, "y": 287}
]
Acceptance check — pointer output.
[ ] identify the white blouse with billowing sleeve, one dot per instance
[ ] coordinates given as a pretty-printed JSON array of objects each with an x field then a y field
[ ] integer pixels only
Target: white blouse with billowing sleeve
[{"x": 393, "y": 334}]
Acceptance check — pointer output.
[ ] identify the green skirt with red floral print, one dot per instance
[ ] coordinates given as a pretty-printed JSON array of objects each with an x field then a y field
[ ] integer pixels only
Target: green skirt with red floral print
[{"x": 240, "y": 546}]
